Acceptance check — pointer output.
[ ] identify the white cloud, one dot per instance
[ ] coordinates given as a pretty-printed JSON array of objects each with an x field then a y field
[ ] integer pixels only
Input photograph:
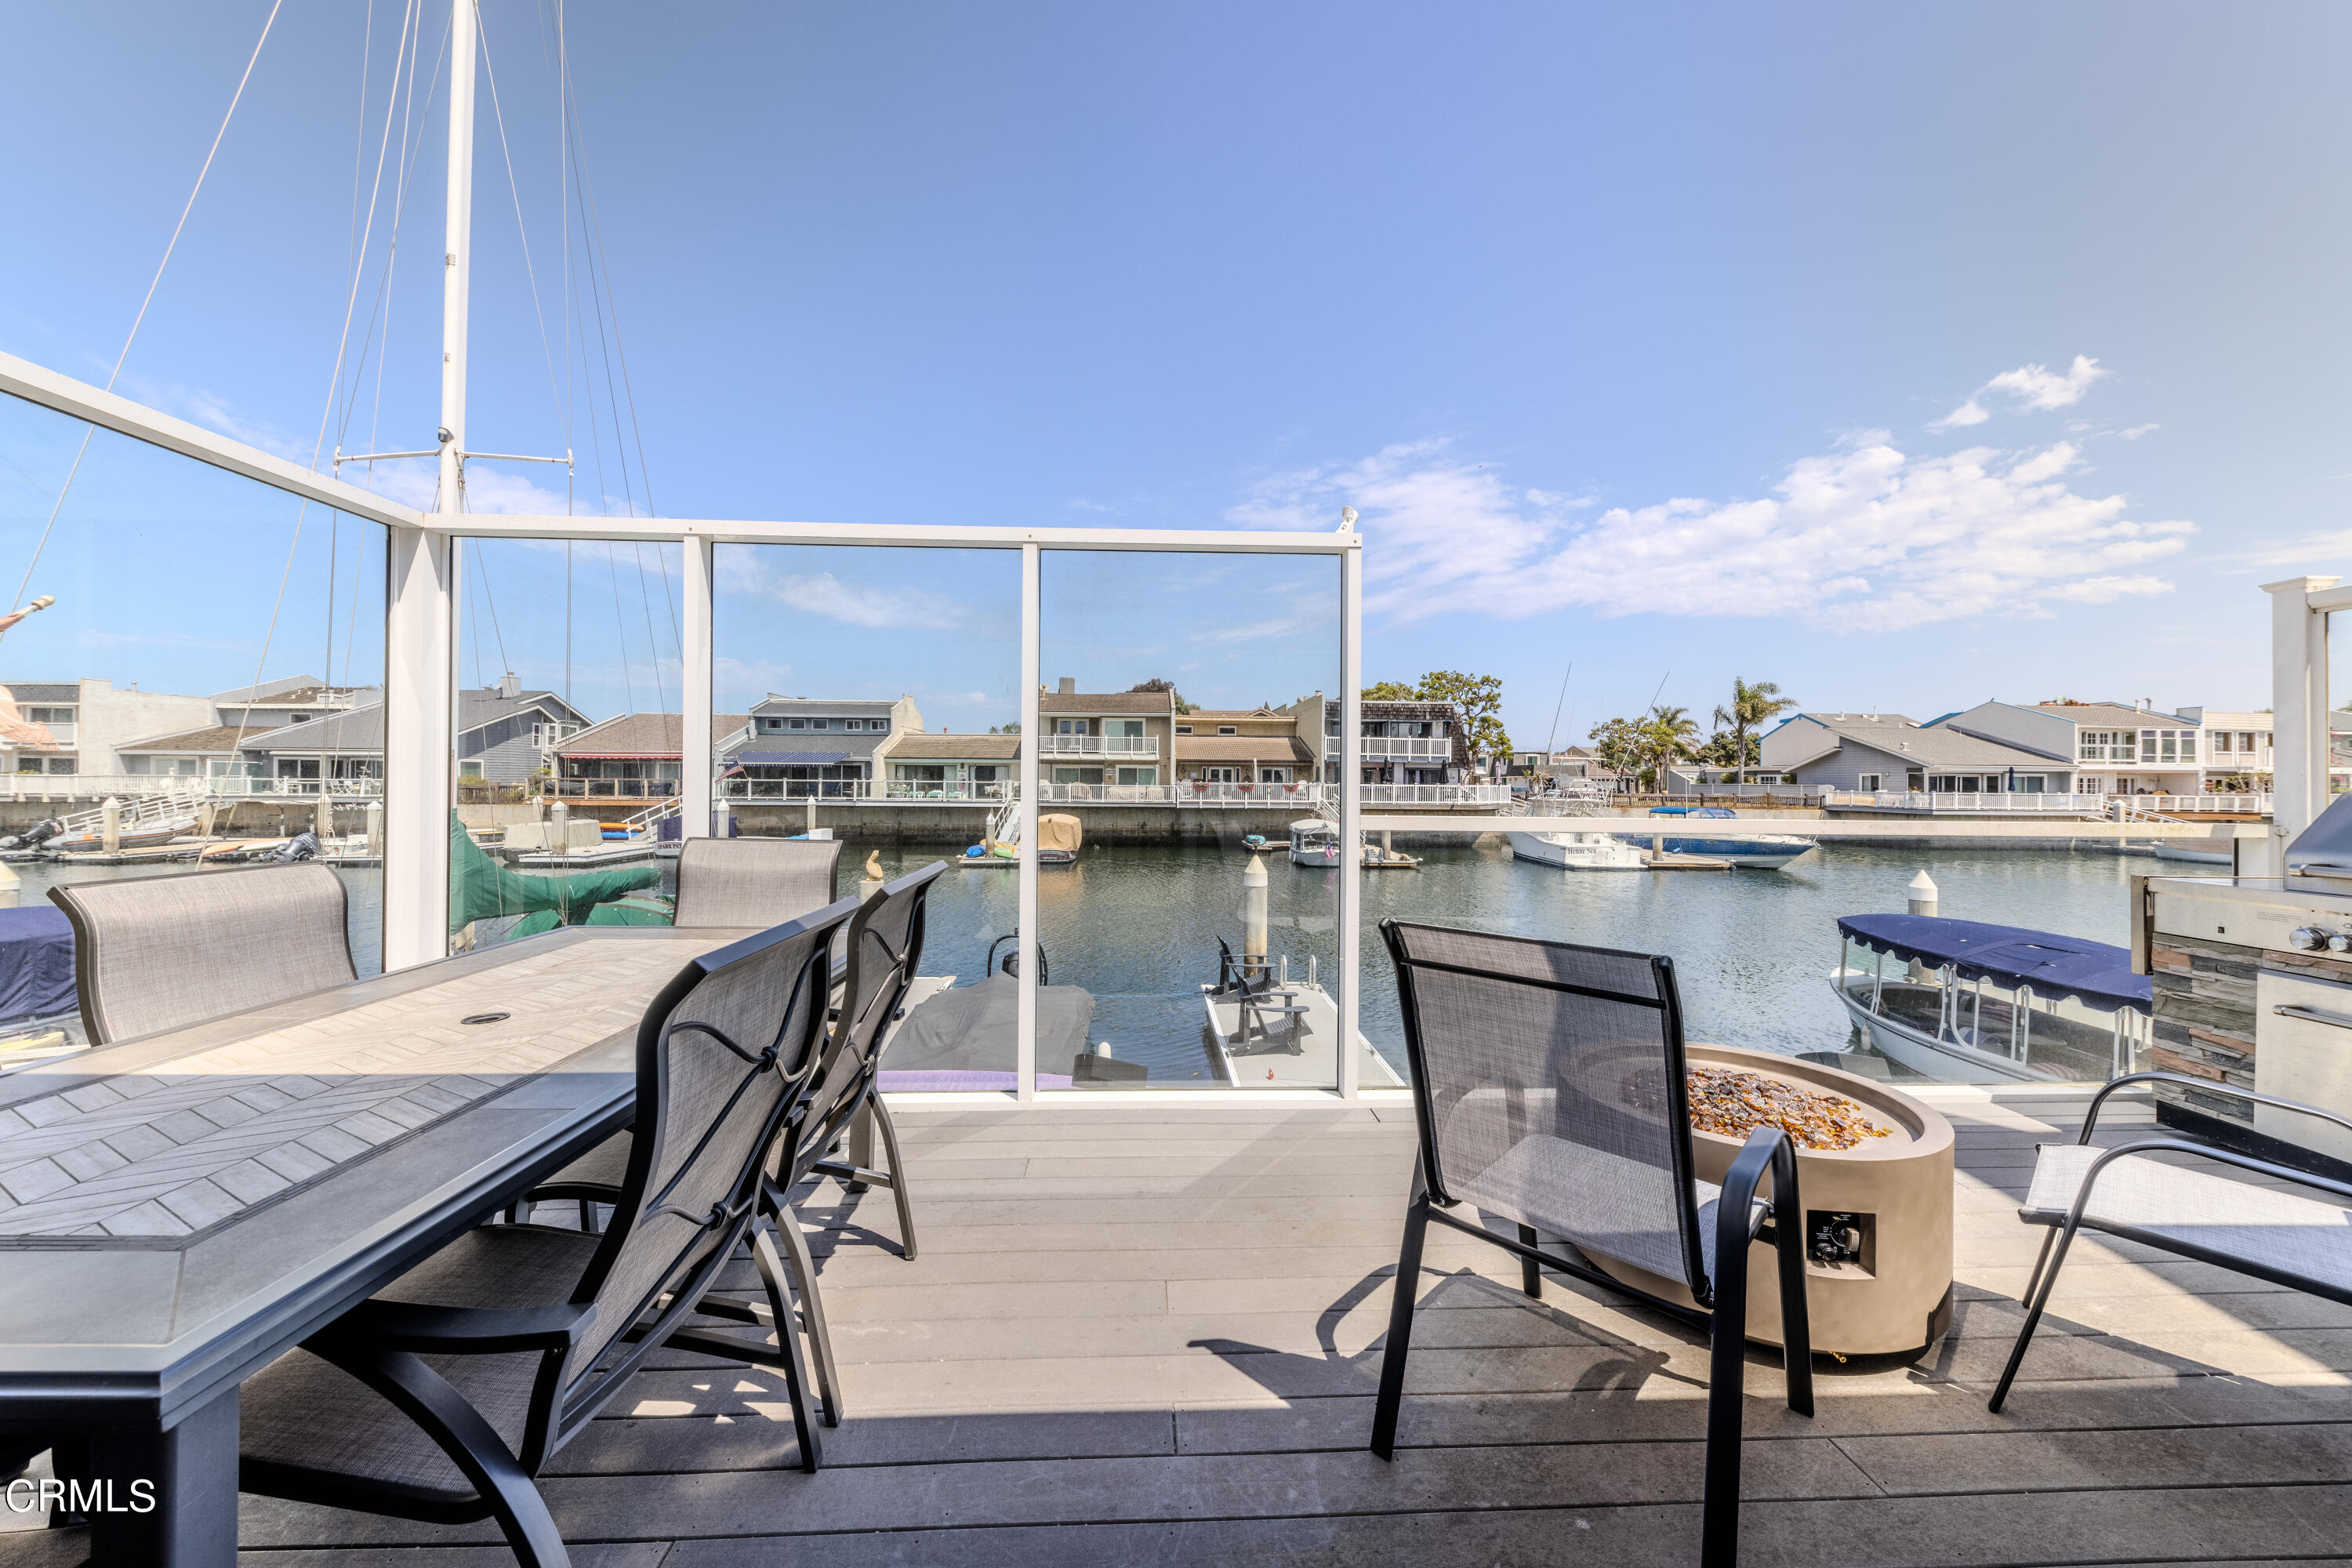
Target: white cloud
[
  {"x": 2136, "y": 431},
  {"x": 853, "y": 604},
  {"x": 1862, "y": 538},
  {"x": 2033, "y": 387}
]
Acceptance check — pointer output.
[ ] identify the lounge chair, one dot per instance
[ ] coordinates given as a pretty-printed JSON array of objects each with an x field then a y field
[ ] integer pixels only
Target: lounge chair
[
  {"x": 2302, "y": 1243},
  {"x": 1549, "y": 1086}
]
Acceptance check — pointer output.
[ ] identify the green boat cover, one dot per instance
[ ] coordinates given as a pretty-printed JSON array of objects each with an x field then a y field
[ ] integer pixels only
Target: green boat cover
[{"x": 480, "y": 889}]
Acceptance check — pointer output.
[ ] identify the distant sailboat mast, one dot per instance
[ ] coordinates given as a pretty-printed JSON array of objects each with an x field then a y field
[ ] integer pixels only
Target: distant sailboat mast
[{"x": 457, "y": 257}]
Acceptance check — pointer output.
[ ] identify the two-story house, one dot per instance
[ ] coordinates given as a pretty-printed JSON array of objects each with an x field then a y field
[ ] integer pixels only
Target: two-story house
[
  {"x": 1869, "y": 753},
  {"x": 2237, "y": 749},
  {"x": 1242, "y": 746},
  {"x": 639, "y": 753},
  {"x": 241, "y": 716},
  {"x": 1104, "y": 737},
  {"x": 1413, "y": 744},
  {"x": 506, "y": 735},
  {"x": 90, "y": 722},
  {"x": 950, "y": 767},
  {"x": 2112, "y": 748},
  {"x": 821, "y": 746}
]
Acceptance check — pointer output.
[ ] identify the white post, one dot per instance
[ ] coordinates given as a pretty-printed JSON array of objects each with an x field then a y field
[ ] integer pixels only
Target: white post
[
  {"x": 1254, "y": 943},
  {"x": 322, "y": 815},
  {"x": 2299, "y": 705},
  {"x": 457, "y": 259},
  {"x": 1352, "y": 811},
  {"x": 110, "y": 831},
  {"x": 375, "y": 829},
  {"x": 1922, "y": 893},
  {"x": 696, "y": 766},
  {"x": 1025, "y": 868},
  {"x": 420, "y": 698}
]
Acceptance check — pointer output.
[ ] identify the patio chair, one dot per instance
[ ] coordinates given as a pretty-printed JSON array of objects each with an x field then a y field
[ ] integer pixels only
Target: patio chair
[
  {"x": 1257, "y": 1001},
  {"x": 152, "y": 953},
  {"x": 2302, "y": 1243},
  {"x": 443, "y": 1397},
  {"x": 1548, "y": 1084},
  {"x": 755, "y": 882}
]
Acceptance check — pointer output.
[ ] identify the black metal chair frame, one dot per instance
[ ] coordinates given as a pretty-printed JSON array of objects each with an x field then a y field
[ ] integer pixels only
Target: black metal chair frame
[
  {"x": 2055, "y": 1246},
  {"x": 1722, "y": 1299},
  {"x": 383, "y": 1343},
  {"x": 806, "y": 1147}
]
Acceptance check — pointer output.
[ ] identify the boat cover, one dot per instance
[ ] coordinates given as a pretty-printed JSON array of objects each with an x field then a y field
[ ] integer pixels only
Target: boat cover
[
  {"x": 37, "y": 962},
  {"x": 1058, "y": 831},
  {"x": 2095, "y": 973},
  {"x": 481, "y": 888}
]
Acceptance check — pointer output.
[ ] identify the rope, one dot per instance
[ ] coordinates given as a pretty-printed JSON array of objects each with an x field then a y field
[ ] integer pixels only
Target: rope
[
  {"x": 152, "y": 285},
  {"x": 522, "y": 230},
  {"x": 629, "y": 682}
]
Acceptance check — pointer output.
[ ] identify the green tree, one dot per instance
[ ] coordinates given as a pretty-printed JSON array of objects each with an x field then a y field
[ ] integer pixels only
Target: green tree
[
  {"x": 1390, "y": 692},
  {"x": 1479, "y": 698},
  {"x": 1753, "y": 705},
  {"x": 1618, "y": 743},
  {"x": 1669, "y": 736}
]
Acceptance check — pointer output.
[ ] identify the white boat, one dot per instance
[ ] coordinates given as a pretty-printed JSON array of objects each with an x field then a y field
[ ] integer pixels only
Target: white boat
[
  {"x": 133, "y": 835},
  {"x": 2167, "y": 849},
  {"x": 1059, "y": 839},
  {"x": 1968, "y": 1002},
  {"x": 1755, "y": 851},
  {"x": 1579, "y": 851},
  {"x": 1316, "y": 842}
]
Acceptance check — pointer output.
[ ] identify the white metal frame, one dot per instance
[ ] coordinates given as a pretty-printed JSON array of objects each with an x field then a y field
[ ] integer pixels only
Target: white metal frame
[{"x": 421, "y": 666}]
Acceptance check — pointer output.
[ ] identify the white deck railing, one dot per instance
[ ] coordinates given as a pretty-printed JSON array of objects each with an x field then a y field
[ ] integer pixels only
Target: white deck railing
[
  {"x": 1405, "y": 746},
  {"x": 2061, "y": 804},
  {"x": 1098, "y": 745}
]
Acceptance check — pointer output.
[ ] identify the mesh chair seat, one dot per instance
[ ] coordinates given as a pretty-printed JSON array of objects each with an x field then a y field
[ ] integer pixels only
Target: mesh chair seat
[
  {"x": 1550, "y": 1183},
  {"x": 602, "y": 1167},
  {"x": 300, "y": 1412},
  {"x": 2192, "y": 1208}
]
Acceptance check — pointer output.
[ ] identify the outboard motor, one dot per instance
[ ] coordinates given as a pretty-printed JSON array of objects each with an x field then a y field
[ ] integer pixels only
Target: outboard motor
[
  {"x": 34, "y": 835},
  {"x": 1012, "y": 964},
  {"x": 303, "y": 845}
]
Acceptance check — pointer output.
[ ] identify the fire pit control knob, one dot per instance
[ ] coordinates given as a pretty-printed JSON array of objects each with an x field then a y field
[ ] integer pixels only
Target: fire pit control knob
[
  {"x": 2339, "y": 943},
  {"x": 2305, "y": 938}
]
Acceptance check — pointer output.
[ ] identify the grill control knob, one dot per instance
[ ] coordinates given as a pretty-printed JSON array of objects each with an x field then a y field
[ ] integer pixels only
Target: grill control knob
[
  {"x": 2339, "y": 943},
  {"x": 2305, "y": 938}
]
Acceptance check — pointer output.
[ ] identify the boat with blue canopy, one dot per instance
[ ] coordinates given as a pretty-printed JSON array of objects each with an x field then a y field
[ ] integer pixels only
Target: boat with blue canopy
[
  {"x": 1972, "y": 1001},
  {"x": 1756, "y": 851}
]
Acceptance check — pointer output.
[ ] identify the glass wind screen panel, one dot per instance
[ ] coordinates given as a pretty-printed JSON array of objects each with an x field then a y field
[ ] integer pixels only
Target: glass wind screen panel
[
  {"x": 872, "y": 696},
  {"x": 230, "y": 723},
  {"x": 1187, "y": 889},
  {"x": 567, "y": 737},
  {"x": 2339, "y": 702}
]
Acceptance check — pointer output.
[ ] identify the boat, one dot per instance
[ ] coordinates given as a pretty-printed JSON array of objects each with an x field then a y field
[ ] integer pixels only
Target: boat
[
  {"x": 1579, "y": 851},
  {"x": 1315, "y": 841},
  {"x": 133, "y": 836},
  {"x": 1971, "y": 1002},
  {"x": 1060, "y": 837},
  {"x": 2167, "y": 849},
  {"x": 1753, "y": 851}
]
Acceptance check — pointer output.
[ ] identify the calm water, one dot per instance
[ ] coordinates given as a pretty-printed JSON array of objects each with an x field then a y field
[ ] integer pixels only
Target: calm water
[{"x": 1138, "y": 928}]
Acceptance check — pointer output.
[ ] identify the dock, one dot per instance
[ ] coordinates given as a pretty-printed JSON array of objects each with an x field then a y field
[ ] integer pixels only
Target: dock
[
  {"x": 612, "y": 853},
  {"x": 1303, "y": 1049}
]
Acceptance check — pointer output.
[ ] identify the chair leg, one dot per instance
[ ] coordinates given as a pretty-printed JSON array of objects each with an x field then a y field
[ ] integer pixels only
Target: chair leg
[
  {"x": 1726, "y": 1403},
  {"x": 2047, "y": 1283},
  {"x": 2033, "y": 1280},
  {"x": 897, "y": 1177},
  {"x": 787, "y": 1229},
  {"x": 1531, "y": 1271},
  {"x": 788, "y": 1347},
  {"x": 1400, "y": 1341},
  {"x": 861, "y": 1144}
]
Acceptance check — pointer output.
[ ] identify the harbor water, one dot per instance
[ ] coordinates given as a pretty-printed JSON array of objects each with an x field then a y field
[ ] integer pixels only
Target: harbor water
[{"x": 1138, "y": 928}]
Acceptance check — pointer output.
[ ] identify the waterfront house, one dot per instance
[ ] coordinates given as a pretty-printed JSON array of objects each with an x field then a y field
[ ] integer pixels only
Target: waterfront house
[
  {"x": 2113, "y": 748},
  {"x": 818, "y": 745},
  {"x": 1414, "y": 743},
  {"x": 2237, "y": 748},
  {"x": 88, "y": 721},
  {"x": 1256, "y": 746},
  {"x": 240, "y": 717},
  {"x": 1104, "y": 737},
  {"x": 638, "y": 753},
  {"x": 1876, "y": 752},
  {"x": 950, "y": 767},
  {"x": 505, "y": 736}
]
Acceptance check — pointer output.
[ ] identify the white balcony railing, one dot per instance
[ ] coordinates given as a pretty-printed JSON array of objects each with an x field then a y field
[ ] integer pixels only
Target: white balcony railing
[
  {"x": 2058, "y": 804},
  {"x": 949, "y": 790},
  {"x": 127, "y": 786},
  {"x": 1405, "y": 746},
  {"x": 1488, "y": 795},
  {"x": 1098, "y": 745}
]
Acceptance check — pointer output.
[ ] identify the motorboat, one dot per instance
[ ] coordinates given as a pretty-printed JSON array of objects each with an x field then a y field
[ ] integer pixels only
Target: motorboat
[
  {"x": 147, "y": 835},
  {"x": 1754, "y": 851},
  {"x": 1971, "y": 1002},
  {"x": 1579, "y": 851},
  {"x": 2167, "y": 849},
  {"x": 1315, "y": 841},
  {"x": 1060, "y": 837}
]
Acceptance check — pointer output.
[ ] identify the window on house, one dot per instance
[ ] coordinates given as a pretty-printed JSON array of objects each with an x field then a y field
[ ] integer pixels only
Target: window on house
[
  {"x": 1227, "y": 730},
  {"x": 796, "y": 723},
  {"x": 2221, "y": 740},
  {"x": 853, "y": 723},
  {"x": 1069, "y": 726},
  {"x": 1221, "y": 775},
  {"x": 878, "y": 726},
  {"x": 1138, "y": 775},
  {"x": 1183, "y": 729},
  {"x": 1871, "y": 783},
  {"x": 1274, "y": 775}
]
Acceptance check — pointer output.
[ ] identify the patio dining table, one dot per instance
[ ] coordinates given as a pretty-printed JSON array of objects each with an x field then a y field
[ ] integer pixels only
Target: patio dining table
[{"x": 177, "y": 1211}]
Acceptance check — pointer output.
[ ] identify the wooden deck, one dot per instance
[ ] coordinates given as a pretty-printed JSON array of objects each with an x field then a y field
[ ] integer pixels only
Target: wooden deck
[{"x": 1142, "y": 1334}]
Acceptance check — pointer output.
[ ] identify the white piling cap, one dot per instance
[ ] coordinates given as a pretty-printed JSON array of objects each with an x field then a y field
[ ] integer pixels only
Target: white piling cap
[
  {"x": 1253, "y": 874},
  {"x": 1922, "y": 884}
]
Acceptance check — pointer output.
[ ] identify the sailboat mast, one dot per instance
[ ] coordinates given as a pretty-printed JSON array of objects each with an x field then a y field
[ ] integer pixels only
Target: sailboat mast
[{"x": 457, "y": 260}]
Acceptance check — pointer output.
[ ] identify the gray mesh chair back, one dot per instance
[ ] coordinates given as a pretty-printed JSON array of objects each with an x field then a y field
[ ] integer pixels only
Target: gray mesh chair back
[
  {"x": 1552, "y": 1090},
  {"x": 885, "y": 943},
  {"x": 152, "y": 953},
  {"x": 724, "y": 1056},
  {"x": 755, "y": 882}
]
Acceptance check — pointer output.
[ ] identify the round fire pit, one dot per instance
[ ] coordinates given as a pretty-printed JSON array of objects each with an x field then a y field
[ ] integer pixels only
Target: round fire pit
[{"x": 1878, "y": 1218}]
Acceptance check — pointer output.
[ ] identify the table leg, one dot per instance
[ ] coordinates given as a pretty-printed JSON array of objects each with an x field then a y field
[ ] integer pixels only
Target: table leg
[{"x": 189, "y": 1471}]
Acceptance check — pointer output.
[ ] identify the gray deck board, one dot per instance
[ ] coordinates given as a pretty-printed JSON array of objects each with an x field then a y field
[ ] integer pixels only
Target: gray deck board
[{"x": 1151, "y": 1334}]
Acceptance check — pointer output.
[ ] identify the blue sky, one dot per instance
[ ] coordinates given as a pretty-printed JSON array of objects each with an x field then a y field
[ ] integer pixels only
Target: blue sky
[{"x": 1636, "y": 334}]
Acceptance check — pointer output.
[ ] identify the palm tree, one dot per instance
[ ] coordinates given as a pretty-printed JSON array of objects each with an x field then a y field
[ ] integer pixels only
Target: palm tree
[
  {"x": 1669, "y": 736},
  {"x": 1753, "y": 705}
]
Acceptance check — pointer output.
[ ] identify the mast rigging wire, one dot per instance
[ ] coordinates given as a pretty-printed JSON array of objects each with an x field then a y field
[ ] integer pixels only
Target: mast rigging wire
[{"x": 152, "y": 285}]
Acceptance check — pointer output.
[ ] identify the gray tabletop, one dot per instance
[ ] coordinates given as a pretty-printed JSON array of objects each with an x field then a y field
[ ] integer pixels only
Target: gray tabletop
[{"x": 176, "y": 1211}]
